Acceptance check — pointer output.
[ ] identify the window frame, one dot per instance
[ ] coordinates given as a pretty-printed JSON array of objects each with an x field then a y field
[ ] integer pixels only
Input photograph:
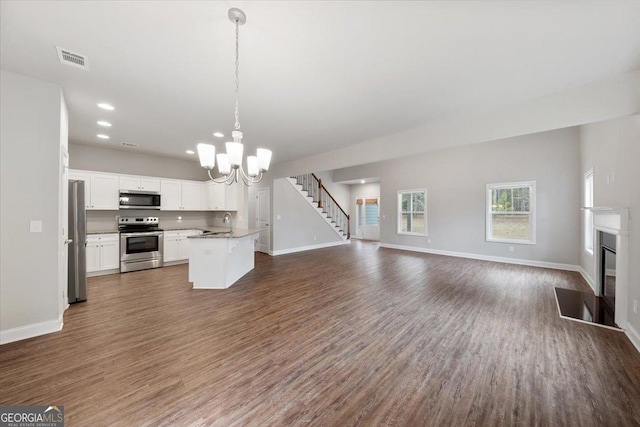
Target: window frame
[
  {"x": 400, "y": 212},
  {"x": 532, "y": 212},
  {"x": 588, "y": 175}
]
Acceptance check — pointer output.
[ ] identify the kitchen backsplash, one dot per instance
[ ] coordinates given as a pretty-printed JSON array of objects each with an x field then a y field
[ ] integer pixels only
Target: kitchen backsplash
[{"x": 99, "y": 221}]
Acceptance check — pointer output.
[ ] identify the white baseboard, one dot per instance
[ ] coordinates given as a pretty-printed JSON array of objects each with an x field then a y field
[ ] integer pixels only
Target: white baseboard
[
  {"x": 103, "y": 272},
  {"x": 554, "y": 265},
  {"x": 633, "y": 335},
  {"x": 588, "y": 279},
  {"x": 177, "y": 262},
  {"x": 30, "y": 331},
  {"x": 308, "y": 248}
]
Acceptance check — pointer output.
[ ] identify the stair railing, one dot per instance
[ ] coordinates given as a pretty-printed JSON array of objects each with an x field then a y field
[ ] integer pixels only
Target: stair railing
[{"x": 319, "y": 194}]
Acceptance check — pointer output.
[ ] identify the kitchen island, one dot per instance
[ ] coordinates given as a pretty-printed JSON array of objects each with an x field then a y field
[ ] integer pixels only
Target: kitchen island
[{"x": 218, "y": 258}]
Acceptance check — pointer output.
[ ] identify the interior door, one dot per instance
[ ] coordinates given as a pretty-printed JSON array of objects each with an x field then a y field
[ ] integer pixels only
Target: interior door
[
  {"x": 368, "y": 217},
  {"x": 263, "y": 213}
]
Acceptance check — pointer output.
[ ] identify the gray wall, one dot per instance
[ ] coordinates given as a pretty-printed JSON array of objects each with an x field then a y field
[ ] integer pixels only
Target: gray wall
[
  {"x": 299, "y": 225},
  {"x": 340, "y": 192},
  {"x": 30, "y": 189},
  {"x": 100, "y": 159},
  {"x": 610, "y": 147},
  {"x": 455, "y": 180}
]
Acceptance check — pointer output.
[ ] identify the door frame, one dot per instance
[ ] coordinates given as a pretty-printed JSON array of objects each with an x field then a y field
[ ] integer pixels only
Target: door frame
[
  {"x": 357, "y": 219},
  {"x": 266, "y": 190}
]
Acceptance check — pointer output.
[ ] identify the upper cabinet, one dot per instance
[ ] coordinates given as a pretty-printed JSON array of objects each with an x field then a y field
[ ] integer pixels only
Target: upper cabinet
[
  {"x": 139, "y": 183},
  {"x": 86, "y": 177},
  {"x": 215, "y": 196},
  {"x": 102, "y": 192},
  {"x": 179, "y": 195},
  {"x": 231, "y": 196},
  {"x": 100, "y": 189},
  {"x": 193, "y": 195},
  {"x": 222, "y": 197}
]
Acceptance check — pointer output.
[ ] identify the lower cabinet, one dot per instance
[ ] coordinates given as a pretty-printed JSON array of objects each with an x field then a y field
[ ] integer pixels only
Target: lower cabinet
[
  {"x": 103, "y": 252},
  {"x": 176, "y": 244}
]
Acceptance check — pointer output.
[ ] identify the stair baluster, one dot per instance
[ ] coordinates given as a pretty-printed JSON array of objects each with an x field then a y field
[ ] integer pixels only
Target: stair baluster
[{"x": 319, "y": 194}]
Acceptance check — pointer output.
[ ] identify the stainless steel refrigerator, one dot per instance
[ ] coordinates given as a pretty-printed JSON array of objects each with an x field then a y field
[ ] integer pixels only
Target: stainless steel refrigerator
[{"x": 77, "y": 281}]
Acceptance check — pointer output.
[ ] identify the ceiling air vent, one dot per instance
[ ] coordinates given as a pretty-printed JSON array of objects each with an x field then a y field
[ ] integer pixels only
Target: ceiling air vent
[
  {"x": 128, "y": 144},
  {"x": 71, "y": 59}
]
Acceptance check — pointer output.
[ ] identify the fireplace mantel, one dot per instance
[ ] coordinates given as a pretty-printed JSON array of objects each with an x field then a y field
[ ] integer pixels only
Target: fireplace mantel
[{"x": 611, "y": 220}]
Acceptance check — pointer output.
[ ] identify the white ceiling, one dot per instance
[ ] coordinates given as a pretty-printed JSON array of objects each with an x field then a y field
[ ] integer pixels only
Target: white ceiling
[{"x": 315, "y": 75}]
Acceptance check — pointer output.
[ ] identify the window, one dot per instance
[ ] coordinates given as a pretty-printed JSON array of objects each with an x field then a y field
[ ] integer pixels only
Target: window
[
  {"x": 511, "y": 212},
  {"x": 588, "y": 215},
  {"x": 412, "y": 212}
]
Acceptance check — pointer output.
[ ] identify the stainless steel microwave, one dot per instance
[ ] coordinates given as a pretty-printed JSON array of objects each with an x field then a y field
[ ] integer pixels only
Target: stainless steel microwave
[{"x": 130, "y": 200}]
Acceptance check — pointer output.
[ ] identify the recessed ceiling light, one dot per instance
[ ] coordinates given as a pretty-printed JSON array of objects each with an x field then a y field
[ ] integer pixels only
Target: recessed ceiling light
[
  {"x": 102, "y": 136},
  {"x": 106, "y": 106},
  {"x": 105, "y": 124},
  {"x": 190, "y": 152},
  {"x": 218, "y": 134},
  {"x": 362, "y": 182}
]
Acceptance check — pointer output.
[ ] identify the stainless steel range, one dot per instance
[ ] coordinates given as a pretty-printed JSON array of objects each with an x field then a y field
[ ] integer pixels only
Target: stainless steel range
[{"x": 141, "y": 243}]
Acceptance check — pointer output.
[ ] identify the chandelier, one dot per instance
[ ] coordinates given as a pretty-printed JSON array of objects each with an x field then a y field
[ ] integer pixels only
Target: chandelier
[{"x": 230, "y": 163}]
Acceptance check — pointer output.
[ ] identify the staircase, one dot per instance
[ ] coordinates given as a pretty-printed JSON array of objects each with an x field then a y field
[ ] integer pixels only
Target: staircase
[{"x": 311, "y": 188}]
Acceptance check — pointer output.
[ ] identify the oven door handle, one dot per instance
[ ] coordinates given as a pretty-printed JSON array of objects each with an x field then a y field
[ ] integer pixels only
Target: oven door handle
[{"x": 150, "y": 233}]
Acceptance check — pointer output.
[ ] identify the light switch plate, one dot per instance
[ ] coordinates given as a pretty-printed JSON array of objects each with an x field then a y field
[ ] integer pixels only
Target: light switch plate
[{"x": 35, "y": 226}]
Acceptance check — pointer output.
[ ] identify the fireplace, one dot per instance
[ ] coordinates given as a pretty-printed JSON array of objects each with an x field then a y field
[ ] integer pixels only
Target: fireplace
[
  {"x": 607, "y": 279},
  {"x": 611, "y": 260}
]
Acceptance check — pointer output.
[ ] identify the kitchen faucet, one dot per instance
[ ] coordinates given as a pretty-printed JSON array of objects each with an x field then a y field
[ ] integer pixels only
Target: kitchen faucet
[{"x": 228, "y": 219}]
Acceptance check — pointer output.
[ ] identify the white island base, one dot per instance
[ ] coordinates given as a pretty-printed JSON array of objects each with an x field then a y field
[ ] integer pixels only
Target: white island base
[{"x": 219, "y": 262}]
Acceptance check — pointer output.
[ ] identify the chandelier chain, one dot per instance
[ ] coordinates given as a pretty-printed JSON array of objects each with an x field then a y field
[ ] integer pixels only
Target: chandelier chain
[{"x": 237, "y": 125}]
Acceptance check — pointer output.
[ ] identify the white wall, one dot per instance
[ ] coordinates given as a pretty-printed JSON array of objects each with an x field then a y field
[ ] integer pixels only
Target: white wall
[
  {"x": 30, "y": 137},
  {"x": 590, "y": 103},
  {"x": 612, "y": 148},
  {"x": 92, "y": 158},
  {"x": 455, "y": 180},
  {"x": 298, "y": 226}
]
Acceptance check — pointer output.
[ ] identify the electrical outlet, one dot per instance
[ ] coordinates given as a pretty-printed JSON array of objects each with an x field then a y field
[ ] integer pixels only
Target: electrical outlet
[
  {"x": 512, "y": 249},
  {"x": 428, "y": 240},
  {"x": 635, "y": 306},
  {"x": 315, "y": 238}
]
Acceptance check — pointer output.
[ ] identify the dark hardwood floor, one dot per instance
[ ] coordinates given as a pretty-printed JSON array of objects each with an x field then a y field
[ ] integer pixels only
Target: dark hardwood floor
[{"x": 351, "y": 335}]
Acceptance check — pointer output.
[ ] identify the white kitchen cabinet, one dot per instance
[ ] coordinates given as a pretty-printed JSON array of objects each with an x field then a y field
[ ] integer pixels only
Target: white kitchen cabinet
[
  {"x": 222, "y": 197},
  {"x": 86, "y": 177},
  {"x": 93, "y": 256},
  {"x": 170, "y": 250},
  {"x": 179, "y": 195},
  {"x": 170, "y": 195},
  {"x": 139, "y": 183},
  {"x": 103, "y": 252},
  {"x": 176, "y": 244},
  {"x": 104, "y": 192},
  {"x": 193, "y": 195},
  {"x": 231, "y": 197},
  {"x": 100, "y": 189},
  {"x": 215, "y": 196}
]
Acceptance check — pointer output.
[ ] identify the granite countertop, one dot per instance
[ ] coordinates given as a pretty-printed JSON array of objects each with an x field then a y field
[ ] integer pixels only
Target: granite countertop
[
  {"x": 223, "y": 233},
  {"x": 103, "y": 232}
]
